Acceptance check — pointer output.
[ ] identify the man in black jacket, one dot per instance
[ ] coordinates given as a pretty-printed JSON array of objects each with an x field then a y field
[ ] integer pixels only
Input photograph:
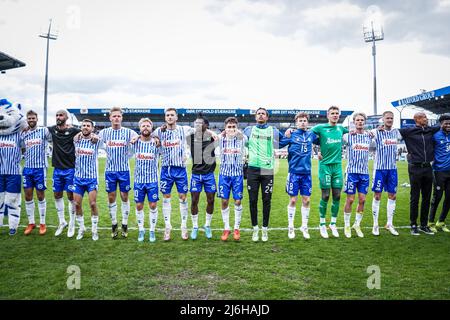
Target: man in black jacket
[{"x": 419, "y": 142}]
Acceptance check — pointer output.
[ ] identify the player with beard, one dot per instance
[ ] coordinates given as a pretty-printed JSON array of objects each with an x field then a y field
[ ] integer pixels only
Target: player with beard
[
  {"x": 86, "y": 177},
  {"x": 146, "y": 152},
  {"x": 35, "y": 139},
  {"x": 63, "y": 161}
]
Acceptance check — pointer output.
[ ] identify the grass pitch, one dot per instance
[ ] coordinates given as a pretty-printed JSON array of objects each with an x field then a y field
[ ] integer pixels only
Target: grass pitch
[{"x": 35, "y": 267}]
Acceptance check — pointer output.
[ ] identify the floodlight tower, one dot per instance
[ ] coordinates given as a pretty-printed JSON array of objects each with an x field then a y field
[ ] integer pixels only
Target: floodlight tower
[
  {"x": 49, "y": 36},
  {"x": 372, "y": 35}
]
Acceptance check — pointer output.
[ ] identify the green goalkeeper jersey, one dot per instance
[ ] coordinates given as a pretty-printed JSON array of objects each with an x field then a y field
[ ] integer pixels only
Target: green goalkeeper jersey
[{"x": 330, "y": 138}]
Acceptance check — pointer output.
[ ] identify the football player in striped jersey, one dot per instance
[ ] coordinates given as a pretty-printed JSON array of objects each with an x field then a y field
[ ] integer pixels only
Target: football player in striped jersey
[
  {"x": 173, "y": 168},
  {"x": 356, "y": 173},
  {"x": 117, "y": 171},
  {"x": 35, "y": 140},
  {"x": 385, "y": 171},
  {"x": 231, "y": 175},
  {"x": 146, "y": 152},
  {"x": 86, "y": 177}
]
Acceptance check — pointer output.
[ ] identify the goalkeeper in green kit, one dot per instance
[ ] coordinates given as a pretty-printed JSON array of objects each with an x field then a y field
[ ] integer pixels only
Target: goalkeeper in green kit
[{"x": 330, "y": 167}]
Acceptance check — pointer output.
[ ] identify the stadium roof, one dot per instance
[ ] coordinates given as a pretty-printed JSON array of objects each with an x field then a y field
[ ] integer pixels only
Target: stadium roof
[
  {"x": 436, "y": 101},
  {"x": 7, "y": 62}
]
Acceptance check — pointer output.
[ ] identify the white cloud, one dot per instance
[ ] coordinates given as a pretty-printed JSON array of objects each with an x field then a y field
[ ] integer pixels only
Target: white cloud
[{"x": 330, "y": 14}]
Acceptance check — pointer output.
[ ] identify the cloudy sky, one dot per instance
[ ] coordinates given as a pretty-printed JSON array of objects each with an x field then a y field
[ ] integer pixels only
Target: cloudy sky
[{"x": 223, "y": 53}]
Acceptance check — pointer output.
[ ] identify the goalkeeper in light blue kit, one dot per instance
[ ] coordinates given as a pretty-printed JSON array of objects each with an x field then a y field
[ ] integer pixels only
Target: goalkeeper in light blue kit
[{"x": 299, "y": 179}]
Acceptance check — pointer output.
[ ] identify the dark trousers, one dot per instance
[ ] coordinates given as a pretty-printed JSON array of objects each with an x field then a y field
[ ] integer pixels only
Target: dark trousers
[
  {"x": 257, "y": 178},
  {"x": 421, "y": 180},
  {"x": 441, "y": 185}
]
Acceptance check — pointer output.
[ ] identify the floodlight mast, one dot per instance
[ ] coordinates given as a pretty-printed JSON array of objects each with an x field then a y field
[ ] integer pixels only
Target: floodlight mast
[
  {"x": 49, "y": 36},
  {"x": 372, "y": 35}
]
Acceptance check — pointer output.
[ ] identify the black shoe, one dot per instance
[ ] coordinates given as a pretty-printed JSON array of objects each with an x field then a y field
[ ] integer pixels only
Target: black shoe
[
  {"x": 114, "y": 232},
  {"x": 124, "y": 231},
  {"x": 426, "y": 230},
  {"x": 414, "y": 231}
]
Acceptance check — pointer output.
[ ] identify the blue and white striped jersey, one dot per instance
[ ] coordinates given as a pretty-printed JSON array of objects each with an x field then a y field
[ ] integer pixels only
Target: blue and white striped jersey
[
  {"x": 386, "y": 149},
  {"x": 86, "y": 159},
  {"x": 117, "y": 144},
  {"x": 232, "y": 151},
  {"x": 10, "y": 154},
  {"x": 146, "y": 167},
  {"x": 174, "y": 145},
  {"x": 357, "y": 152},
  {"x": 36, "y": 143}
]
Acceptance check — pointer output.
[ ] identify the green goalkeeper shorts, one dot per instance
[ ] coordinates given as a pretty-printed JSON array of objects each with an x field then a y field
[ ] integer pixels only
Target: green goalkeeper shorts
[{"x": 330, "y": 176}]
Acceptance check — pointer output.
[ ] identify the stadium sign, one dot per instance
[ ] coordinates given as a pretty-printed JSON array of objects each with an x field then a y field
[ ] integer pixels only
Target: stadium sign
[
  {"x": 414, "y": 99},
  {"x": 209, "y": 111}
]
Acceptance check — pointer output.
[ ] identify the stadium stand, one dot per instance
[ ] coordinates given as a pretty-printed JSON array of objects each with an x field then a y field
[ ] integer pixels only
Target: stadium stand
[{"x": 281, "y": 118}]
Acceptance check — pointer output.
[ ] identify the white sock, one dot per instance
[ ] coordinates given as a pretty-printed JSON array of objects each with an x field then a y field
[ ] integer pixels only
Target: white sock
[
  {"x": 255, "y": 228},
  {"x": 237, "y": 216},
  {"x": 72, "y": 212},
  {"x": 2, "y": 208},
  {"x": 305, "y": 216},
  {"x": 347, "y": 217},
  {"x": 140, "y": 219},
  {"x": 94, "y": 221},
  {"x": 167, "y": 210},
  {"x": 375, "y": 211},
  {"x": 125, "y": 212},
  {"x": 29, "y": 207},
  {"x": 59, "y": 204},
  {"x": 42, "y": 206},
  {"x": 333, "y": 220},
  {"x": 208, "y": 219},
  {"x": 80, "y": 220},
  {"x": 153, "y": 218},
  {"x": 264, "y": 229},
  {"x": 194, "y": 218},
  {"x": 291, "y": 216},
  {"x": 226, "y": 218},
  {"x": 390, "y": 211},
  {"x": 359, "y": 216},
  {"x": 323, "y": 221},
  {"x": 13, "y": 217},
  {"x": 184, "y": 213},
  {"x": 113, "y": 212}
]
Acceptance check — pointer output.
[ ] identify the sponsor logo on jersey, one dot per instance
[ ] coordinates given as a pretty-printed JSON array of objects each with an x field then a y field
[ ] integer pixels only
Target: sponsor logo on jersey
[
  {"x": 231, "y": 151},
  {"x": 116, "y": 143},
  {"x": 84, "y": 152},
  {"x": 361, "y": 147},
  {"x": 33, "y": 142},
  {"x": 145, "y": 156},
  {"x": 7, "y": 144},
  {"x": 171, "y": 144},
  {"x": 389, "y": 142},
  {"x": 332, "y": 141}
]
